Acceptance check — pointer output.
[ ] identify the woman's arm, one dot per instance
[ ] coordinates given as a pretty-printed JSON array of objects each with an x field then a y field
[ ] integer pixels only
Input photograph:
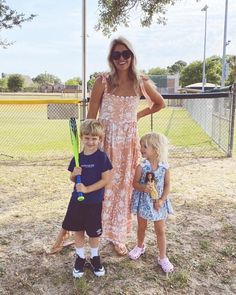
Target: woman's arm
[
  {"x": 156, "y": 98},
  {"x": 95, "y": 98}
]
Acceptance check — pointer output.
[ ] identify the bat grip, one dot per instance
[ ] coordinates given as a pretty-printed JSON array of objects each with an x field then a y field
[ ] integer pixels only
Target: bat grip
[{"x": 80, "y": 196}]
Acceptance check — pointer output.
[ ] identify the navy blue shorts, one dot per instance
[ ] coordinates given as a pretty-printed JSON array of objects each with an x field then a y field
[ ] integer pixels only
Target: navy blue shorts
[{"x": 83, "y": 217}]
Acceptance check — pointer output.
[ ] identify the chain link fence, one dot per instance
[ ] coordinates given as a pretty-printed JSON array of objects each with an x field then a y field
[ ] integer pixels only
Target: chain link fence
[{"x": 197, "y": 125}]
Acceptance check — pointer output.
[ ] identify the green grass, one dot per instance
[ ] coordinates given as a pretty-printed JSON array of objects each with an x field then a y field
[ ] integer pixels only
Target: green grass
[
  {"x": 26, "y": 132},
  {"x": 178, "y": 127}
]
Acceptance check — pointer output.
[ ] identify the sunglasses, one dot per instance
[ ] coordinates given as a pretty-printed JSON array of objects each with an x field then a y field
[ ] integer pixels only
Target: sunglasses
[{"x": 126, "y": 54}]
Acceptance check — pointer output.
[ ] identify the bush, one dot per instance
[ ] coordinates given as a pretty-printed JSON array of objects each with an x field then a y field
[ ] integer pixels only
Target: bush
[{"x": 15, "y": 82}]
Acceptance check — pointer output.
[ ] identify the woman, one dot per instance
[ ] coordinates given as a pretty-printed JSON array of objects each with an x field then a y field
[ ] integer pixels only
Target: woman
[{"x": 115, "y": 96}]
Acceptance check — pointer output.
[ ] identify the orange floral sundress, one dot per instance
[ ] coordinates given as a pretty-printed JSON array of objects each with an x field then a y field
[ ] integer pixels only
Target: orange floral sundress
[{"x": 118, "y": 115}]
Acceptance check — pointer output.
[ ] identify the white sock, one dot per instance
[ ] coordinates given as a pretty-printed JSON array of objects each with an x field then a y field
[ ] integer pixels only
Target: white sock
[
  {"x": 94, "y": 252},
  {"x": 80, "y": 252}
]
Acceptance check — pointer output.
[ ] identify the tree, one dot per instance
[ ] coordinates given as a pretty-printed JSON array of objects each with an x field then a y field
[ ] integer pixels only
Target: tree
[
  {"x": 114, "y": 13},
  {"x": 230, "y": 59},
  {"x": 193, "y": 72},
  {"x": 3, "y": 84},
  {"x": 157, "y": 71},
  {"x": 213, "y": 70},
  {"x": 92, "y": 79},
  {"x": 15, "y": 82},
  {"x": 9, "y": 18},
  {"x": 177, "y": 67},
  {"x": 74, "y": 81},
  {"x": 46, "y": 78}
]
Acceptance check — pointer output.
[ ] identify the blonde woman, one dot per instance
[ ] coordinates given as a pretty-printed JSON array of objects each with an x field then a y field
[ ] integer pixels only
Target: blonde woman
[{"x": 115, "y": 99}]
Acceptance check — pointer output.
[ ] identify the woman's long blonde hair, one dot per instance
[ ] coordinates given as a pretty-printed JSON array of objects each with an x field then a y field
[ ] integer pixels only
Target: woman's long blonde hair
[
  {"x": 159, "y": 142},
  {"x": 133, "y": 72}
]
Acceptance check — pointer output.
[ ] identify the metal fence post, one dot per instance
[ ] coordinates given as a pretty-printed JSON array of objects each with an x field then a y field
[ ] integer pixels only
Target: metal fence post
[
  {"x": 231, "y": 141},
  {"x": 152, "y": 122}
]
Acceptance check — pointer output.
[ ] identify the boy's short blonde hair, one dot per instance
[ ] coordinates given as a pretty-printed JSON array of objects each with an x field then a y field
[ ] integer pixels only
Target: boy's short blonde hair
[
  {"x": 91, "y": 127},
  {"x": 159, "y": 142}
]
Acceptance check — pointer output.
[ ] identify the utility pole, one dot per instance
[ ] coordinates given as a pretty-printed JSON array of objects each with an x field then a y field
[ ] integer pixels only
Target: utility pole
[
  {"x": 223, "y": 76},
  {"x": 84, "y": 60},
  {"x": 204, "y": 52}
]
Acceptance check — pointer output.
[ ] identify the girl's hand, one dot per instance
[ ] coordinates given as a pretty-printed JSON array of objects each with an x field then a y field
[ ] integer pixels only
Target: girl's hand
[
  {"x": 147, "y": 188},
  {"x": 77, "y": 171},
  {"x": 158, "y": 204},
  {"x": 80, "y": 187}
]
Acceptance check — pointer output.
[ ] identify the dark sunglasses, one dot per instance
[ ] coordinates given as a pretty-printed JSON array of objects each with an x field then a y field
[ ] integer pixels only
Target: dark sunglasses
[{"x": 117, "y": 54}]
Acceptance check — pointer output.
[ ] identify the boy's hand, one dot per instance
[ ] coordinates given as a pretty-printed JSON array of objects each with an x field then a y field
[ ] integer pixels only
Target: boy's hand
[
  {"x": 77, "y": 171},
  {"x": 158, "y": 204},
  {"x": 80, "y": 187}
]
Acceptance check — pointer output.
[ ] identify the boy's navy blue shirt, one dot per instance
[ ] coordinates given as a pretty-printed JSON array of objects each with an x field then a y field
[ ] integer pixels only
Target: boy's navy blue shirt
[{"x": 92, "y": 168}]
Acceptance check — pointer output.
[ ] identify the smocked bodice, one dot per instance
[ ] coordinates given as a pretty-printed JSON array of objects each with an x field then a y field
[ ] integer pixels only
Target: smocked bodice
[{"x": 119, "y": 109}]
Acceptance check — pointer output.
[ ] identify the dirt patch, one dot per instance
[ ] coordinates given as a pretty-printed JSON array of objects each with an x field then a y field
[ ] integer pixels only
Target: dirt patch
[{"x": 201, "y": 236}]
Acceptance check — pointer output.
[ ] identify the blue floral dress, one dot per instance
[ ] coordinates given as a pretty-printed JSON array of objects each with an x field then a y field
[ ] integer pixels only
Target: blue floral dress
[{"x": 142, "y": 203}]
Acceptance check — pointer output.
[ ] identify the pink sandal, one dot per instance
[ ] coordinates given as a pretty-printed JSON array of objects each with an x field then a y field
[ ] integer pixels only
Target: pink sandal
[
  {"x": 165, "y": 264},
  {"x": 136, "y": 252}
]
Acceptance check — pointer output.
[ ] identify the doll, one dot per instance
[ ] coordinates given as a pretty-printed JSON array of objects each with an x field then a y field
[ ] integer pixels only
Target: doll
[{"x": 150, "y": 178}]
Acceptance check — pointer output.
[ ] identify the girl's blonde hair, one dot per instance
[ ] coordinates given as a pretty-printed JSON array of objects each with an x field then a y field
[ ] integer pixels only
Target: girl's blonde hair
[
  {"x": 91, "y": 127},
  {"x": 133, "y": 72},
  {"x": 159, "y": 142}
]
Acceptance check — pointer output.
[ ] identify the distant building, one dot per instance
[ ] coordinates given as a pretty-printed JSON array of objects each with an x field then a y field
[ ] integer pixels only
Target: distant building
[
  {"x": 46, "y": 88},
  {"x": 197, "y": 88},
  {"x": 72, "y": 89},
  {"x": 59, "y": 87},
  {"x": 166, "y": 84}
]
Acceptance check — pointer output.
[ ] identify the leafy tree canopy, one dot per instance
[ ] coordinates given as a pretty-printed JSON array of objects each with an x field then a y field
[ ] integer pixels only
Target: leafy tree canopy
[
  {"x": 46, "y": 78},
  {"x": 193, "y": 72},
  {"x": 157, "y": 71},
  {"x": 92, "y": 79},
  {"x": 177, "y": 67},
  {"x": 3, "y": 84},
  {"x": 113, "y": 13},
  {"x": 9, "y": 18},
  {"x": 15, "y": 82},
  {"x": 74, "y": 81}
]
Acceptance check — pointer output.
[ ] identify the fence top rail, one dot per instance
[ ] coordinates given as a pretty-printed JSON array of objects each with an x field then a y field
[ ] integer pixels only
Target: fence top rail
[
  {"x": 17, "y": 101},
  {"x": 196, "y": 95},
  {"x": 31, "y": 94}
]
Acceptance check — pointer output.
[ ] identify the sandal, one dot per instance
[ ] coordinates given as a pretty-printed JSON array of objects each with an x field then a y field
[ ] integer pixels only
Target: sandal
[
  {"x": 120, "y": 249},
  {"x": 62, "y": 241},
  {"x": 165, "y": 264},
  {"x": 136, "y": 252}
]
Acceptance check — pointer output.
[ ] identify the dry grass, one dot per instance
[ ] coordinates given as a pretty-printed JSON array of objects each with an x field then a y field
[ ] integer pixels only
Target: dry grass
[{"x": 201, "y": 238}]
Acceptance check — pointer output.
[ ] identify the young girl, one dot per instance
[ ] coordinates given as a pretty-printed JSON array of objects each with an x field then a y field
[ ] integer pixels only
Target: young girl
[{"x": 154, "y": 149}]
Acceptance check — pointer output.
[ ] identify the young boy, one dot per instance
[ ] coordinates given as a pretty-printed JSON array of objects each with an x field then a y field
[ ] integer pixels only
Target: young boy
[{"x": 85, "y": 216}]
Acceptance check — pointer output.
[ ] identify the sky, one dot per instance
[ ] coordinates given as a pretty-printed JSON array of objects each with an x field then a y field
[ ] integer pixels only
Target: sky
[{"x": 52, "y": 42}]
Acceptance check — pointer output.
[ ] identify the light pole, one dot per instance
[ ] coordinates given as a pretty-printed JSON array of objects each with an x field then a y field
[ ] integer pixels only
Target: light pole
[
  {"x": 84, "y": 59},
  {"x": 223, "y": 76},
  {"x": 204, "y": 52}
]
